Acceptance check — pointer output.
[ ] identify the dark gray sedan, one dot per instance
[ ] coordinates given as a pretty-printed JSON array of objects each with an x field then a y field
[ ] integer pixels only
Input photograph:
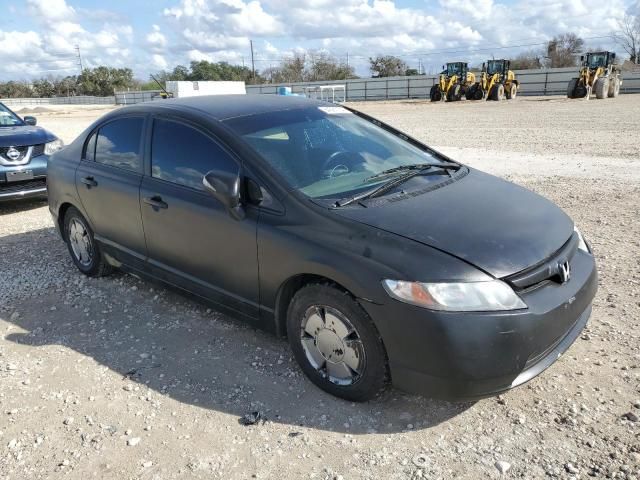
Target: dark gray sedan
[{"x": 379, "y": 258}]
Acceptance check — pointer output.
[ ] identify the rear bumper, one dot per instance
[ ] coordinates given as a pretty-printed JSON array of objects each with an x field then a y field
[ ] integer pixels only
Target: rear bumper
[
  {"x": 462, "y": 356},
  {"x": 11, "y": 191}
]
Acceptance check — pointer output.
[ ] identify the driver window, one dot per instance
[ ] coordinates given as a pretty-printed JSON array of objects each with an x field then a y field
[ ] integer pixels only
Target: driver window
[{"x": 183, "y": 155}]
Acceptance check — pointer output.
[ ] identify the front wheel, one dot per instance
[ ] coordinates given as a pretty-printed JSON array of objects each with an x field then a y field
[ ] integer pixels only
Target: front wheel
[
  {"x": 497, "y": 92},
  {"x": 336, "y": 344},
  {"x": 512, "y": 91},
  {"x": 84, "y": 250}
]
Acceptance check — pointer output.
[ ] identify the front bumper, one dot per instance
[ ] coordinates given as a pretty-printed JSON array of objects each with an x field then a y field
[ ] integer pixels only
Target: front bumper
[
  {"x": 464, "y": 356},
  {"x": 37, "y": 187}
]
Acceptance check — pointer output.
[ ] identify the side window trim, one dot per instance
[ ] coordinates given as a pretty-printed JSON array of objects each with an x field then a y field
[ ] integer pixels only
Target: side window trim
[
  {"x": 93, "y": 134},
  {"x": 141, "y": 145},
  {"x": 189, "y": 124}
]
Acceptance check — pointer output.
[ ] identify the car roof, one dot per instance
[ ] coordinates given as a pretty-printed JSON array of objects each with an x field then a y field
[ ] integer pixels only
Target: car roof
[{"x": 223, "y": 107}]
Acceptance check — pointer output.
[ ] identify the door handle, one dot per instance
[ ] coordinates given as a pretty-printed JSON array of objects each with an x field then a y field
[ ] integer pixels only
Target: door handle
[
  {"x": 89, "y": 182},
  {"x": 155, "y": 202}
]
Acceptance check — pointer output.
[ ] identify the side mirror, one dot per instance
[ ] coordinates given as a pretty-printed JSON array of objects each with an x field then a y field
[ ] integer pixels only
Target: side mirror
[
  {"x": 30, "y": 120},
  {"x": 582, "y": 58},
  {"x": 613, "y": 56},
  {"x": 225, "y": 187}
]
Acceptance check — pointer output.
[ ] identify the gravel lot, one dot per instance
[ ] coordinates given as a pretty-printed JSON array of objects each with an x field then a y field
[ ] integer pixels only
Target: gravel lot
[{"x": 120, "y": 378}]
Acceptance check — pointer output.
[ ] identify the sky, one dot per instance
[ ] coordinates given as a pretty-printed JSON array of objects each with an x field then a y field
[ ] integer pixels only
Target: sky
[{"x": 39, "y": 37}]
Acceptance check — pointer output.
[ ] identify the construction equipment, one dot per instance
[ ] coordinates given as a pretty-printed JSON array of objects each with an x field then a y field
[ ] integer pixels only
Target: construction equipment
[
  {"x": 497, "y": 82},
  {"x": 598, "y": 74},
  {"x": 453, "y": 84},
  {"x": 163, "y": 95}
]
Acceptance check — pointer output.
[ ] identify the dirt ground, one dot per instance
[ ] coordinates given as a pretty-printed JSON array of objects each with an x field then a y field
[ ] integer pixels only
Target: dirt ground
[{"x": 119, "y": 378}]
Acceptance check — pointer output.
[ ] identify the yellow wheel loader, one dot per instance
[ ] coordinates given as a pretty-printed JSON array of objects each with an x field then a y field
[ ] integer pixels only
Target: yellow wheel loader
[
  {"x": 598, "y": 74},
  {"x": 454, "y": 82},
  {"x": 497, "y": 82}
]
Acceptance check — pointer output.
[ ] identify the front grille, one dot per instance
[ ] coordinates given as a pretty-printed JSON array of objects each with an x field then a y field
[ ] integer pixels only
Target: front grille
[
  {"x": 16, "y": 187},
  {"x": 21, "y": 150},
  {"x": 548, "y": 270},
  {"x": 37, "y": 150}
]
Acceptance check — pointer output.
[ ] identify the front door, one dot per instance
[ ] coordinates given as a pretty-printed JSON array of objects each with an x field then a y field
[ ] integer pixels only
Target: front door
[
  {"x": 108, "y": 181},
  {"x": 190, "y": 236}
]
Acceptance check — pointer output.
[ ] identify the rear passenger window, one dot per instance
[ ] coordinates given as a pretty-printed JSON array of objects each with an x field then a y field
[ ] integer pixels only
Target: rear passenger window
[
  {"x": 183, "y": 155},
  {"x": 118, "y": 144}
]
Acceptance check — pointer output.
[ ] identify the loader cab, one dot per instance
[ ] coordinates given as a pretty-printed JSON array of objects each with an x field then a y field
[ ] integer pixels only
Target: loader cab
[
  {"x": 457, "y": 68},
  {"x": 595, "y": 60},
  {"x": 498, "y": 66}
]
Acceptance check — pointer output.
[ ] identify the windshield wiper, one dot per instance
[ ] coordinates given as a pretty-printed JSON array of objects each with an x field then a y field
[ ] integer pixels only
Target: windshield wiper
[
  {"x": 412, "y": 171},
  {"x": 415, "y": 166}
]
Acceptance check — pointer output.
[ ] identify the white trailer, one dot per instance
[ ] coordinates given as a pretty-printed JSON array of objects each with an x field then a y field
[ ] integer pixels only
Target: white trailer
[{"x": 181, "y": 89}]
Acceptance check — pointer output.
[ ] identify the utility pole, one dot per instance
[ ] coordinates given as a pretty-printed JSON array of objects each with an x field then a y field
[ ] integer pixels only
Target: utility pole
[
  {"x": 347, "y": 60},
  {"x": 79, "y": 58},
  {"x": 253, "y": 65}
]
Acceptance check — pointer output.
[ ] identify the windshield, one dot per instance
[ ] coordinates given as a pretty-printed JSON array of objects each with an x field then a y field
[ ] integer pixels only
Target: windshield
[
  {"x": 8, "y": 118},
  {"x": 494, "y": 66},
  {"x": 327, "y": 152},
  {"x": 454, "y": 69},
  {"x": 596, "y": 60}
]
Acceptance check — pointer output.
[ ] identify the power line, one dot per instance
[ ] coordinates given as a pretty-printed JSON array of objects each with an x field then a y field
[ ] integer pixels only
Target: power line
[{"x": 447, "y": 51}]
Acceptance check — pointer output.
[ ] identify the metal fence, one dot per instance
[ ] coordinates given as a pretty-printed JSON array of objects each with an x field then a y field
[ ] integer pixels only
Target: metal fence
[
  {"x": 78, "y": 100},
  {"x": 532, "y": 82},
  {"x": 129, "y": 98}
]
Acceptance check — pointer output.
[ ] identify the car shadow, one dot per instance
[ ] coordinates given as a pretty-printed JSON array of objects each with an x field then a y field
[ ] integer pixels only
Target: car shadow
[
  {"x": 180, "y": 348},
  {"x": 17, "y": 206}
]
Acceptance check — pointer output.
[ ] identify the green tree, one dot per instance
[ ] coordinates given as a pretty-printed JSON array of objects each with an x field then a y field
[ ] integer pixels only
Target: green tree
[
  {"x": 526, "y": 61},
  {"x": 104, "y": 81}
]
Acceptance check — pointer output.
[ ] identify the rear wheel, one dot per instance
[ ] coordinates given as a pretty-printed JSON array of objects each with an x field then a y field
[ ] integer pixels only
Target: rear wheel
[
  {"x": 336, "y": 344},
  {"x": 614, "y": 87},
  {"x": 602, "y": 88},
  {"x": 512, "y": 91},
  {"x": 571, "y": 88},
  {"x": 470, "y": 92},
  {"x": 497, "y": 92},
  {"x": 84, "y": 250},
  {"x": 479, "y": 93}
]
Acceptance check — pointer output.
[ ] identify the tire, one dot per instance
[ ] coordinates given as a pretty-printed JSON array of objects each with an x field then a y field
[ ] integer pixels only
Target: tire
[
  {"x": 319, "y": 318},
  {"x": 512, "y": 91},
  {"x": 497, "y": 92},
  {"x": 435, "y": 95},
  {"x": 470, "y": 92},
  {"x": 601, "y": 88},
  {"x": 479, "y": 94},
  {"x": 614, "y": 87},
  {"x": 84, "y": 250},
  {"x": 571, "y": 88},
  {"x": 581, "y": 91},
  {"x": 453, "y": 95}
]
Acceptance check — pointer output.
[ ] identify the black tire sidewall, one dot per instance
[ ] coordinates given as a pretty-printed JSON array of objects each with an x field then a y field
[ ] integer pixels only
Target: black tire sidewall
[
  {"x": 93, "y": 268},
  {"x": 374, "y": 378}
]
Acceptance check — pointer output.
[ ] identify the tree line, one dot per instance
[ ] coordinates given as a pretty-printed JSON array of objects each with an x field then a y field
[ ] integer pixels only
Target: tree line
[{"x": 315, "y": 66}]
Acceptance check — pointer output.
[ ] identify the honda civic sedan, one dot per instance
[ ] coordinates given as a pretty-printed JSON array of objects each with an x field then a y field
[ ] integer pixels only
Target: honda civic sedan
[{"x": 381, "y": 260}]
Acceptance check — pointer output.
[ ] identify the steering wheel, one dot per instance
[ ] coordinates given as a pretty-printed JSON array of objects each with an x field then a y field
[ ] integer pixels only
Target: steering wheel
[{"x": 340, "y": 161}]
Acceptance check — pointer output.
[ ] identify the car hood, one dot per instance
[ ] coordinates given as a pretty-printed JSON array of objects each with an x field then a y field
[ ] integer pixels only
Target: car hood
[
  {"x": 24, "y": 135},
  {"x": 490, "y": 223}
]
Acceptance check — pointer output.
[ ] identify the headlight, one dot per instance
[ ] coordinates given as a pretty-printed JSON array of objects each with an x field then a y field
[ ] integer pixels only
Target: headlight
[
  {"x": 52, "y": 147},
  {"x": 489, "y": 296},
  {"x": 582, "y": 244}
]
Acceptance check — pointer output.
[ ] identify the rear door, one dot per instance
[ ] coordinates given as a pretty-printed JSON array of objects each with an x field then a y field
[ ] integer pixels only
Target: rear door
[
  {"x": 108, "y": 181},
  {"x": 191, "y": 238}
]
